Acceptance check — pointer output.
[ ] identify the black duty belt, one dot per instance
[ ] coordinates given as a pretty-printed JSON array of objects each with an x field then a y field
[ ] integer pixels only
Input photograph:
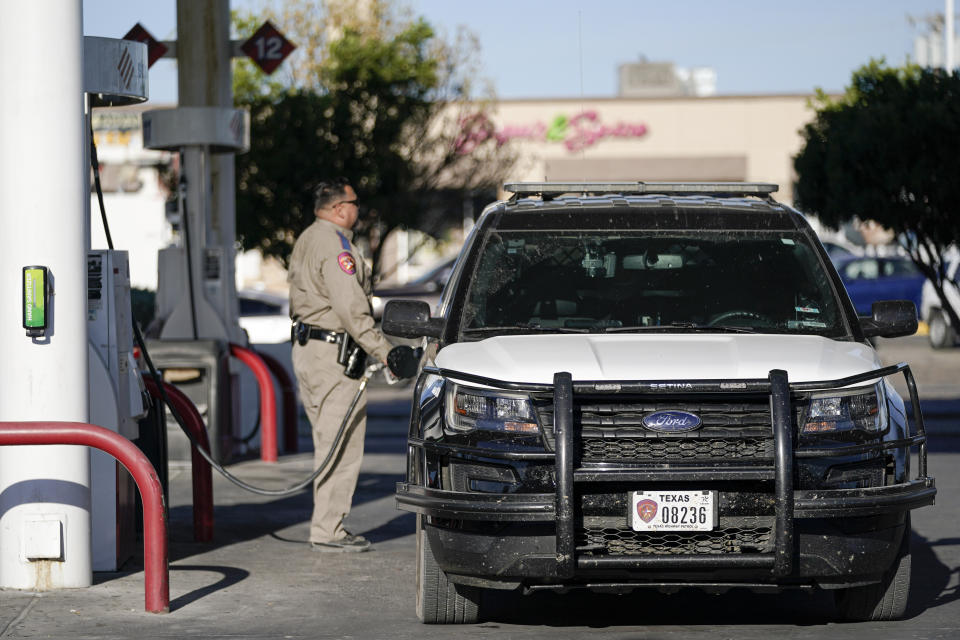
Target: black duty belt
[{"x": 301, "y": 332}]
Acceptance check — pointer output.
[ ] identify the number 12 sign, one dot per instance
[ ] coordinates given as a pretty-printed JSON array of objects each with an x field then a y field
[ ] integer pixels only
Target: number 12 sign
[{"x": 267, "y": 47}]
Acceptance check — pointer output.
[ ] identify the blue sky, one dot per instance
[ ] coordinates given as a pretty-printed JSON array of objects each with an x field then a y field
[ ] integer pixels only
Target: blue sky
[{"x": 537, "y": 48}]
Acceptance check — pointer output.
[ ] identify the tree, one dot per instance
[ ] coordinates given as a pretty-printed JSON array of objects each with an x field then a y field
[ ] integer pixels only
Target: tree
[
  {"x": 381, "y": 100},
  {"x": 887, "y": 151}
]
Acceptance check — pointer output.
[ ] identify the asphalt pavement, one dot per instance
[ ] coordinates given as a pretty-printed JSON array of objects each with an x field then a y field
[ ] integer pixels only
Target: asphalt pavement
[{"x": 259, "y": 578}]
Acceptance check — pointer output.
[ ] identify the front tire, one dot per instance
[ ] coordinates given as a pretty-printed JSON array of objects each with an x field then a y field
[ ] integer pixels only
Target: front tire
[
  {"x": 886, "y": 600},
  {"x": 440, "y": 601},
  {"x": 942, "y": 335}
]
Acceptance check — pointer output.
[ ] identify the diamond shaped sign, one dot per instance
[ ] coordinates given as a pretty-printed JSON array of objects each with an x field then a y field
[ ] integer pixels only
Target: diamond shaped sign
[
  {"x": 155, "y": 48},
  {"x": 267, "y": 47}
]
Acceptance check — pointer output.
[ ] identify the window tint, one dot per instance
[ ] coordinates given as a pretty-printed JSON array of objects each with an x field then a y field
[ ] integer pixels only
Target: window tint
[{"x": 602, "y": 281}]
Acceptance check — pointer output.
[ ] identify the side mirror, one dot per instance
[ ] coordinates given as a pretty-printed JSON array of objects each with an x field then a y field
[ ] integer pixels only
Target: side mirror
[
  {"x": 891, "y": 319},
  {"x": 410, "y": 319}
]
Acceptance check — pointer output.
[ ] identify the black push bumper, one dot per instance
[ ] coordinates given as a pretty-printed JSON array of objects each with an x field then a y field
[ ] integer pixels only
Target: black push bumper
[
  {"x": 541, "y": 507},
  {"x": 818, "y": 534}
]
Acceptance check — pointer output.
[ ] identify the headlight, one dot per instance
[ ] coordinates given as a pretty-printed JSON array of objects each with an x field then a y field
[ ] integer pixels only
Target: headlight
[
  {"x": 863, "y": 409},
  {"x": 469, "y": 408}
]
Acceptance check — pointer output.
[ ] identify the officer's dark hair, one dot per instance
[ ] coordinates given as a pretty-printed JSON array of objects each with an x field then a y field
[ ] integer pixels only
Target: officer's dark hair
[{"x": 328, "y": 191}]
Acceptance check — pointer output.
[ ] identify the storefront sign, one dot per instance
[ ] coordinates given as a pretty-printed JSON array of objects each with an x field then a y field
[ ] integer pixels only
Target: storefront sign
[{"x": 577, "y": 133}]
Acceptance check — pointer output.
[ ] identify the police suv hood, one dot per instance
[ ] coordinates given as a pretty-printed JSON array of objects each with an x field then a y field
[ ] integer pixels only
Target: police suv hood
[{"x": 535, "y": 358}]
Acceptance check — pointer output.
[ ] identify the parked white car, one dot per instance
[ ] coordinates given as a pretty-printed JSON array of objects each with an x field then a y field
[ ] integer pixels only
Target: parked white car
[
  {"x": 264, "y": 316},
  {"x": 942, "y": 335}
]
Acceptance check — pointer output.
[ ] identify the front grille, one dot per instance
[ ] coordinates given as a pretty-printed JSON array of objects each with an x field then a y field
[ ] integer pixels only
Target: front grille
[
  {"x": 722, "y": 413},
  {"x": 687, "y": 449},
  {"x": 610, "y": 428},
  {"x": 627, "y": 542}
]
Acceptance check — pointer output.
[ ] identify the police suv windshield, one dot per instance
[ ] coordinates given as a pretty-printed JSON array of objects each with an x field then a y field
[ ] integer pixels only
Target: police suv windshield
[{"x": 601, "y": 281}]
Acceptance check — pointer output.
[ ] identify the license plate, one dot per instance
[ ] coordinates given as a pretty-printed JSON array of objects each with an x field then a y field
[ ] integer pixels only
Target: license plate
[{"x": 673, "y": 510}]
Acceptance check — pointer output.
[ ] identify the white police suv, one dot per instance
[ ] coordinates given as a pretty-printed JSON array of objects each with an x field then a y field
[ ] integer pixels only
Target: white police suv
[{"x": 656, "y": 385}]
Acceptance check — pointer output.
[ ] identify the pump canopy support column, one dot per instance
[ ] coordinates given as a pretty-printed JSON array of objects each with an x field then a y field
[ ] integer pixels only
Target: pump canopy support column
[
  {"x": 44, "y": 491},
  {"x": 207, "y": 132}
]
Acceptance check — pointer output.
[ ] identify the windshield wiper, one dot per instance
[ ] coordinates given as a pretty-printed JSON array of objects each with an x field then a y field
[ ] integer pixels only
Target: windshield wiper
[
  {"x": 692, "y": 326},
  {"x": 526, "y": 326}
]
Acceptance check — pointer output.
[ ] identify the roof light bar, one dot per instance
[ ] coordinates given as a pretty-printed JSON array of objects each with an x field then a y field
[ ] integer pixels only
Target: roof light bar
[{"x": 630, "y": 188}]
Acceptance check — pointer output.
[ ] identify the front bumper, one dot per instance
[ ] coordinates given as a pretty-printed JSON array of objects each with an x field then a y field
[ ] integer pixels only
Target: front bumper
[
  {"x": 541, "y": 507},
  {"x": 841, "y": 537},
  {"x": 823, "y": 537}
]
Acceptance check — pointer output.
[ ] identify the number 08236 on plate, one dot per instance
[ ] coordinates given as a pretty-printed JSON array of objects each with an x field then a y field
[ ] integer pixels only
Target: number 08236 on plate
[{"x": 673, "y": 510}]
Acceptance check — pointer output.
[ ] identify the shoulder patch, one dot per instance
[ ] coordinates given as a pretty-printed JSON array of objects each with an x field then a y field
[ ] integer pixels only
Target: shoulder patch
[
  {"x": 344, "y": 242},
  {"x": 347, "y": 264}
]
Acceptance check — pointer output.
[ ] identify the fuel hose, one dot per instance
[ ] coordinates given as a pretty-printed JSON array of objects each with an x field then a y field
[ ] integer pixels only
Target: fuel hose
[{"x": 292, "y": 489}]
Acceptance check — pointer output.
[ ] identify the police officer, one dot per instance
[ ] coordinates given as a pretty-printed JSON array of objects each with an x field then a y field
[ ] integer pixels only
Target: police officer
[{"x": 330, "y": 287}]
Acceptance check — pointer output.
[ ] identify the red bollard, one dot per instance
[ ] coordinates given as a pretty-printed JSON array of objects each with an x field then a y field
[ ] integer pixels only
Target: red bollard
[
  {"x": 156, "y": 574},
  {"x": 290, "y": 418},
  {"x": 268, "y": 400},
  {"x": 202, "y": 475}
]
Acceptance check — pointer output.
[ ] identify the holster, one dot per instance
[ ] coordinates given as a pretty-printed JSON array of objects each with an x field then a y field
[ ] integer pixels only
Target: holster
[
  {"x": 351, "y": 356},
  {"x": 300, "y": 333}
]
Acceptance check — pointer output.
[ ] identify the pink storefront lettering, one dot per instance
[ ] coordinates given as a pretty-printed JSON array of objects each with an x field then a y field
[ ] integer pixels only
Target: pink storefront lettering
[{"x": 577, "y": 133}]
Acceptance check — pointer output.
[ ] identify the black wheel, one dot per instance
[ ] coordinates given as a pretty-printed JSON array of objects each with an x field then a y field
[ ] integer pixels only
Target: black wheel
[
  {"x": 942, "y": 335},
  {"x": 440, "y": 601},
  {"x": 886, "y": 600}
]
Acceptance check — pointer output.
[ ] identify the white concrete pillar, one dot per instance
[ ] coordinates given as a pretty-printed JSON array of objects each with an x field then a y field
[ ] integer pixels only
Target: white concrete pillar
[{"x": 44, "y": 490}]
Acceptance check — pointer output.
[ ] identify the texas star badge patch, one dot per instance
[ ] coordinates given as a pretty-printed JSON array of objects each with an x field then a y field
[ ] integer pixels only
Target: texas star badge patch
[
  {"x": 347, "y": 263},
  {"x": 646, "y": 509}
]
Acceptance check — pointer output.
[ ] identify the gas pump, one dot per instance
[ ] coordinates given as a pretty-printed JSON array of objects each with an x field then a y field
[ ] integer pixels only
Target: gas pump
[
  {"x": 116, "y": 402},
  {"x": 196, "y": 300},
  {"x": 114, "y": 75}
]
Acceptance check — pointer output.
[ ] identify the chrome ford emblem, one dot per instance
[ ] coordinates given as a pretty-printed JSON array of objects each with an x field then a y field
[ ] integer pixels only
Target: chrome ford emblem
[{"x": 671, "y": 421}]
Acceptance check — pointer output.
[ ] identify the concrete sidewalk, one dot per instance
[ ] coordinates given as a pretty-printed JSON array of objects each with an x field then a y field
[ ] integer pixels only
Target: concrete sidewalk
[{"x": 258, "y": 578}]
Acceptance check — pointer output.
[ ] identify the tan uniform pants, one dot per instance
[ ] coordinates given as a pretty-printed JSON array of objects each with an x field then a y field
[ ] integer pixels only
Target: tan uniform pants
[{"x": 326, "y": 395}]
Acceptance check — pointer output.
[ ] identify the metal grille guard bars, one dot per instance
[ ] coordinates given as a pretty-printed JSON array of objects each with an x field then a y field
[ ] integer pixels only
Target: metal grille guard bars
[
  {"x": 673, "y": 387},
  {"x": 776, "y": 385},
  {"x": 688, "y": 386}
]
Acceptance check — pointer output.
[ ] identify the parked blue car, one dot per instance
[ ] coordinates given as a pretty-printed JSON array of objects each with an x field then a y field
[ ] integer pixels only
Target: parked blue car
[{"x": 869, "y": 279}]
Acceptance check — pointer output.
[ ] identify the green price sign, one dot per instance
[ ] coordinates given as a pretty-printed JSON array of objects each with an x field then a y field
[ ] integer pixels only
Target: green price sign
[{"x": 35, "y": 300}]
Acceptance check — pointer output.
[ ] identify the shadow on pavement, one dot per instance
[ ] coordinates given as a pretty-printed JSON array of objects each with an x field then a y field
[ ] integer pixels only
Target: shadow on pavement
[
  {"x": 235, "y": 523},
  {"x": 249, "y": 520},
  {"x": 231, "y": 576},
  {"x": 403, "y": 525},
  {"x": 930, "y": 577},
  {"x": 649, "y": 607}
]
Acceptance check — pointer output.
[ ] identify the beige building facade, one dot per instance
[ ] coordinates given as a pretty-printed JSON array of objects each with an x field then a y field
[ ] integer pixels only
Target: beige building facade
[{"x": 724, "y": 138}]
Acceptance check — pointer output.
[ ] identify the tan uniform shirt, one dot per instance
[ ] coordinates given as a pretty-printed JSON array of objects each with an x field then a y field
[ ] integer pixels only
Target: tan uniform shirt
[{"x": 330, "y": 286}]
